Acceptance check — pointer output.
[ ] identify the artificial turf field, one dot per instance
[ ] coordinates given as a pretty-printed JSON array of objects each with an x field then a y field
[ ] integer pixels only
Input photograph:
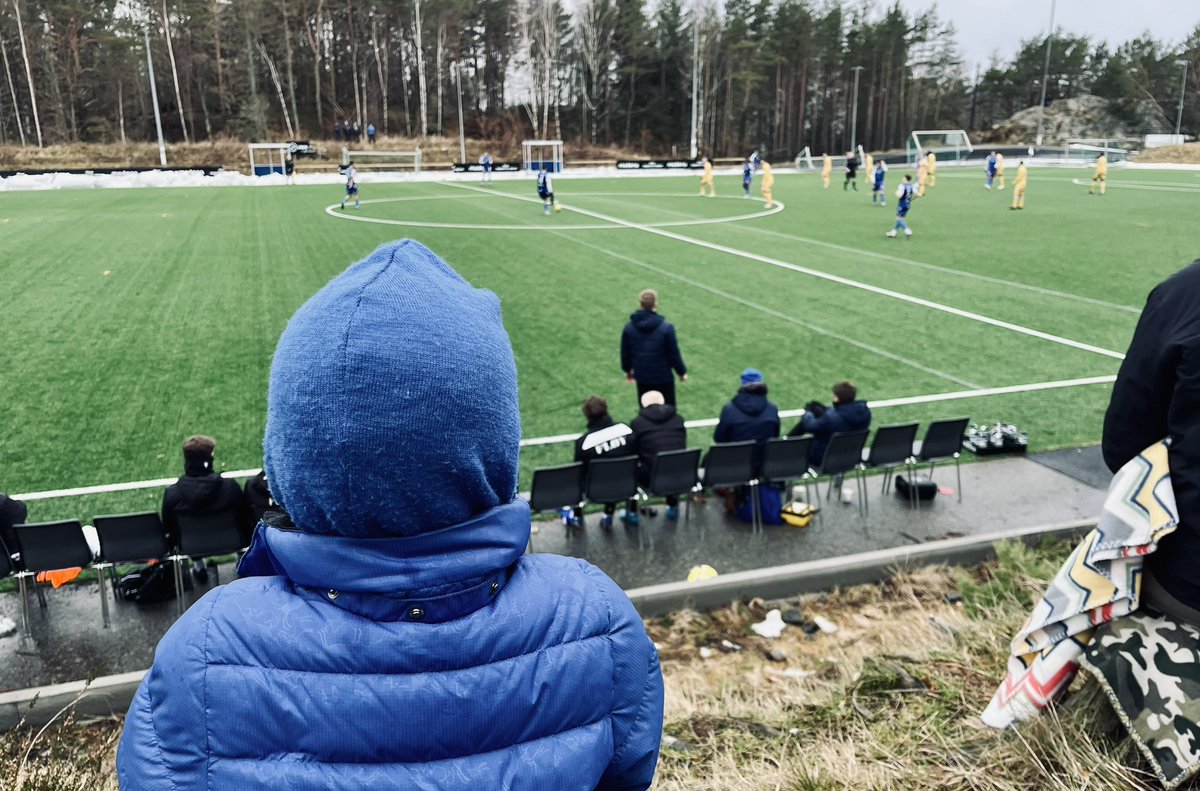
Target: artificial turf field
[{"x": 135, "y": 317}]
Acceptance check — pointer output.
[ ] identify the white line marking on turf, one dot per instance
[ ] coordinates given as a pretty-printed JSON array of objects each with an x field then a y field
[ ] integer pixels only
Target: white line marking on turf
[
  {"x": 845, "y": 281},
  {"x": 335, "y": 210},
  {"x": 1141, "y": 185},
  {"x": 563, "y": 438}
]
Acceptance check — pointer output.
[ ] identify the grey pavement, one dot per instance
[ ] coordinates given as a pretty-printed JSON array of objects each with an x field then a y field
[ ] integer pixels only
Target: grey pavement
[{"x": 70, "y": 644}]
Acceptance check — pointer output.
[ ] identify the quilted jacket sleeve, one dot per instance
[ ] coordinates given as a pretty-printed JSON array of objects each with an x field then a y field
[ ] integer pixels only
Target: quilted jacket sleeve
[{"x": 638, "y": 700}]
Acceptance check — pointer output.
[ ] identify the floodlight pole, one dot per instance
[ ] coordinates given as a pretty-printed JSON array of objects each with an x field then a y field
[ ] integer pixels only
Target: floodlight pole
[
  {"x": 1045, "y": 77},
  {"x": 695, "y": 73},
  {"x": 462, "y": 141},
  {"x": 162, "y": 147},
  {"x": 854, "y": 116},
  {"x": 1182, "y": 94}
]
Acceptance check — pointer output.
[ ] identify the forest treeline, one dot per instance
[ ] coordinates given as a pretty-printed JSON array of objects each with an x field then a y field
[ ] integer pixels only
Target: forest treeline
[{"x": 776, "y": 74}]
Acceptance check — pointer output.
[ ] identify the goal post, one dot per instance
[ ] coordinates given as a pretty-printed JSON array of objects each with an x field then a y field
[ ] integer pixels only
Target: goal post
[
  {"x": 538, "y": 154},
  {"x": 947, "y": 144},
  {"x": 383, "y": 160},
  {"x": 804, "y": 159},
  {"x": 267, "y": 159},
  {"x": 1084, "y": 150}
]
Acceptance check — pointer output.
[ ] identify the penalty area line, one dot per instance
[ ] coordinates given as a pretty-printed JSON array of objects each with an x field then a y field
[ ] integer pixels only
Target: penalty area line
[
  {"x": 845, "y": 281},
  {"x": 564, "y": 438}
]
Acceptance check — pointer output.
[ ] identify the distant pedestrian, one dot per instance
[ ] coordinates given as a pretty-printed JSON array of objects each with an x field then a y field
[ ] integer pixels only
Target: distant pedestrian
[
  {"x": 371, "y": 134},
  {"x": 650, "y": 351},
  {"x": 338, "y": 129},
  {"x": 289, "y": 169}
]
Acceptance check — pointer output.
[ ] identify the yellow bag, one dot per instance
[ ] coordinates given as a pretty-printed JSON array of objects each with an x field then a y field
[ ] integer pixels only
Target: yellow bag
[{"x": 798, "y": 514}]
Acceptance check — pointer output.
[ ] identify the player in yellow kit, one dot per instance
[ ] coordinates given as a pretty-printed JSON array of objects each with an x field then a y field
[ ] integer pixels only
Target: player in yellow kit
[
  {"x": 826, "y": 170},
  {"x": 1100, "y": 174},
  {"x": 706, "y": 181},
  {"x": 870, "y": 166},
  {"x": 922, "y": 177},
  {"x": 999, "y": 171},
  {"x": 768, "y": 181},
  {"x": 931, "y": 170},
  {"x": 1019, "y": 186}
]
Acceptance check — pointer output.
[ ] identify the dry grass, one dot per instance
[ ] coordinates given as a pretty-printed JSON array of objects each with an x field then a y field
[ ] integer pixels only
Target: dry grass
[
  {"x": 1186, "y": 154},
  {"x": 891, "y": 702}
]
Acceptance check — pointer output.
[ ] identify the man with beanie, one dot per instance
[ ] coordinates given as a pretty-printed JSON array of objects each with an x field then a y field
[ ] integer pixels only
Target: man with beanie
[
  {"x": 605, "y": 439},
  {"x": 749, "y": 415},
  {"x": 657, "y": 428},
  {"x": 202, "y": 490},
  {"x": 649, "y": 350},
  {"x": 846, "y": 414},
  {"x": 12, "y": 512},
  {"x": 388, "y": 631}
]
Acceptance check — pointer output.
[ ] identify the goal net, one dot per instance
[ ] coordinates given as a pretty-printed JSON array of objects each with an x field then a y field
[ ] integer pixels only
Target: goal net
[
  {"x": 268, "y": 158},
  {"x": 1084, "y": 150},
  {"x": 804, "y": 159},
  {"x": 947, "y": 144},
  {"x": 383, "y": 161},
  {"x": 538, "y": 154}
]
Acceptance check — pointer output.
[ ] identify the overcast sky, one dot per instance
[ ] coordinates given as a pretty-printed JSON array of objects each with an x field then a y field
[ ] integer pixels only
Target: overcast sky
[{"x": 989, "y": 26}]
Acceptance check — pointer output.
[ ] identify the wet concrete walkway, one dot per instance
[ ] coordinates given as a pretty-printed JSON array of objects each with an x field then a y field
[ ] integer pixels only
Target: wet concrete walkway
[{"x": 69, "y": 642}]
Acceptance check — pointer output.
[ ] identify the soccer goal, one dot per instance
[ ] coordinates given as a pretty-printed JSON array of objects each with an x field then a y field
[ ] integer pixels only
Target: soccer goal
[
  {"x": 1084, "y": 150},
  {"x": 538, "y": 154},
  {"x": 269, "y": 158},
  {"x": 383, "y": 160},
  {"x": 804, "y": 159},
  {"x": 948, "y": 144}
]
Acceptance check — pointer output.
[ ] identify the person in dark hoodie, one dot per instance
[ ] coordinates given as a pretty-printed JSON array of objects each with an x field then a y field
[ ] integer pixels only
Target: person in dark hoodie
[
  {"x": 604, "y": 439},
  {"x": 657, "y": 428},
  {"x": 749, "y": 415},
  {"x": 650, "y": 351},
  {"x": 12, "y": 512},
  {"x": 202, "y": 490},
  {"x": 1157, "y": 395},
  {"x": 258, "y": 495},
  {"x": 846, "y": 414}
]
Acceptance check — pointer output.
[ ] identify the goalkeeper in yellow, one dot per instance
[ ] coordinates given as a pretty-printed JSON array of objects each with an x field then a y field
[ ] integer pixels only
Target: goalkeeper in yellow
[
  {"x": 768, "y": 182},
  {"x": 1100, "y": 175},
  {"x": 999, "y": 171},
  {"x": 1019, "y": 186},
  {"x": 826, "y": 170},
  {"x": 706, "y": 181},
  {"x": 931, "y": 170}
]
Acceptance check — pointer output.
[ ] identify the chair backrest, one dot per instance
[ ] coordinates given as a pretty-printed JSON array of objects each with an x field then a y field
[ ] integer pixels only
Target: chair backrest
[
  {"x": 786, "y": 458},
  {"x": 6, "y": 566},
  {"x": 556, "y": 487},
  {"x": 943, "y": 439},
  {"x": 729, "y": 463},
  {"x": 215, "y": 533},
  {"x": 125, "y": 538},
  {"x": 47, "y": 546},
  {"x": 675, "y": 472},
  {"x": 844, "y": 451},
  {"x": 892, "y": 445},
  {"x": 611, "y": 480}
]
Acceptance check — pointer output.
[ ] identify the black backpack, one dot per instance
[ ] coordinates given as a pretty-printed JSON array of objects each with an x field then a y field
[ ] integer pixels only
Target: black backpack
[{"x": 151, "y": 584}]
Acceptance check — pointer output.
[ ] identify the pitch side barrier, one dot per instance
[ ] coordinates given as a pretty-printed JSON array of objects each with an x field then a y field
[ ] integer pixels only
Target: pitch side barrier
[
  {"x": 659, "y": 164},
  {"x": 207, "y": 170},
  {"x": 475, "y": 167}
]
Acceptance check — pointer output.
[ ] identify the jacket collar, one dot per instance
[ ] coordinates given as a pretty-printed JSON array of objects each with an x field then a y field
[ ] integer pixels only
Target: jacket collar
[{"x": 445, "y": 574}]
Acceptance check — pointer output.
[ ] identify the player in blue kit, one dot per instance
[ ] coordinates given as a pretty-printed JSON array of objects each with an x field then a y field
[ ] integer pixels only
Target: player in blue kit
[
  {"x": 747, "y": 177},
  {"x": 905, "y": 196},
  {"x": 545, "y": 189},
  {"x": 351, "y": 185},
  {"x": 878, "y": 175},
  {"x": 989, "y": 168},
  {"x": 485, "y": 163}
]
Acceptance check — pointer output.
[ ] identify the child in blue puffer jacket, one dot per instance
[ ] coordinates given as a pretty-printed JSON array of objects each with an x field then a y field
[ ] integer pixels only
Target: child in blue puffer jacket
[{"x": 390, "y": 633}]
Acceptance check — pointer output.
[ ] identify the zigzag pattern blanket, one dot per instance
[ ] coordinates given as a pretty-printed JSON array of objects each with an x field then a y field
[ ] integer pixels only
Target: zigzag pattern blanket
[{"x": 1100, "y": 582}]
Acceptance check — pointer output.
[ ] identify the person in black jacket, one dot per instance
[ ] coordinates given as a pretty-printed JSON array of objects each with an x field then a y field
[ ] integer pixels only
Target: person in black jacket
[
  {"x": 12, "y": 512},
  {"x": 852, "y": 165},
  {"x": 657, "y": 428},
  {"x": 202, "y": 490},
  {"x": 1157, "y": 395},
  {"x": 604, "y": 439},
  {"x": 258, "y": 496},
  {"x": 649, "y": 350},
  {"x": 846, "y": 414},
  {"x": 749, "y": 415}
]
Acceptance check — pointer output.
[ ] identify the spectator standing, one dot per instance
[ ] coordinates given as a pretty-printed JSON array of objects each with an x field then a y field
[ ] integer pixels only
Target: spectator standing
[
  {"x": 657, "y": 428},
  {"x": 394, "y": 634},
  {"x": 1157, "y": 395},
  {"x": 338, "y": 128},
  {"x": 604, "y": 439},
  {"x": 371, "y": 134},
  {"x": 749, "y": 415},
  {"x": 202, "y": 490},
  {"x": 846, "y": 414},
  {"x": 650, "y": 351},
  {"x": 12, "y": 512}
]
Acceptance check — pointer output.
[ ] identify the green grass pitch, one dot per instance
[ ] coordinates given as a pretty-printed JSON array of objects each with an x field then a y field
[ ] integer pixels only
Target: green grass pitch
[{"x": 105, "y": 374}]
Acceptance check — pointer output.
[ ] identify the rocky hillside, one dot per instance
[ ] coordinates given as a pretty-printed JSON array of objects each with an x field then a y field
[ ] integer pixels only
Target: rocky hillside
[{"x": 1080, "y": 117}]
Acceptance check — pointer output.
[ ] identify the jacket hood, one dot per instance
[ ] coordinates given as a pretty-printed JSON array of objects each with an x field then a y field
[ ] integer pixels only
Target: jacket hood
[
  {"x": 599, "y": 423},
  {"x": 659, "y": 413},
  {"x": 392, "y": 406},
  {"x": 855, "y": 412},
  {"x": 201, "y": 491},
  {"x": 752, "y": 403},
  {"x": 646, "y": 320}
]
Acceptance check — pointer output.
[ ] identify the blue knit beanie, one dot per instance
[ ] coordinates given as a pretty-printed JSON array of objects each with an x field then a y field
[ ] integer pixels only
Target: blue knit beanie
[
  {"x": 751, "y": 376},
  {"x": 392, "y": 408}
]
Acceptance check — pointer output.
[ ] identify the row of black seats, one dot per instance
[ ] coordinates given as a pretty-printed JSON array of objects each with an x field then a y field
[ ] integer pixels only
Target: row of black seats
[{"x": 784, "y": 460}]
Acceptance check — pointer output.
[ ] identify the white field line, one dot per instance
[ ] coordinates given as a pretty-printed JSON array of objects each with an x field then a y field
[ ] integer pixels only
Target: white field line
[
  {"x": 845, "y": 281},
  {"x": 558, "y": 439}
]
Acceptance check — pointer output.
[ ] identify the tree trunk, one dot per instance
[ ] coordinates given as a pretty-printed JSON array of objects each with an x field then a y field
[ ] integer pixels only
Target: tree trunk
[
  {"x": 256, "y": 113},
  {"x": 222, "y": 99},
  {"x": 289, "y": 62},
  {"x": 287, "y": 119},
  {"x": 37, "y": 121},
  {"x": 174, "y": 71},
  {"x": 421, "y": 99},
  {"x": 383, "y": 90},
  {"x": 121, "y": 109},
  {"x": 12, "y": 92}
]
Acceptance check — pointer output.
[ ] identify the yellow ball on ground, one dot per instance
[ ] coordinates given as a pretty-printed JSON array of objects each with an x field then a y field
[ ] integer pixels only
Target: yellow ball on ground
[{"x": 557, "y": 207}]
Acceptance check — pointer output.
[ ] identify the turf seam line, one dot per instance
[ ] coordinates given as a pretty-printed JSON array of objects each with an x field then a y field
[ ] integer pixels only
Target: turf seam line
[
  {"x": 563, "y": 438},
  {"x": 845, "y": 281}
]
